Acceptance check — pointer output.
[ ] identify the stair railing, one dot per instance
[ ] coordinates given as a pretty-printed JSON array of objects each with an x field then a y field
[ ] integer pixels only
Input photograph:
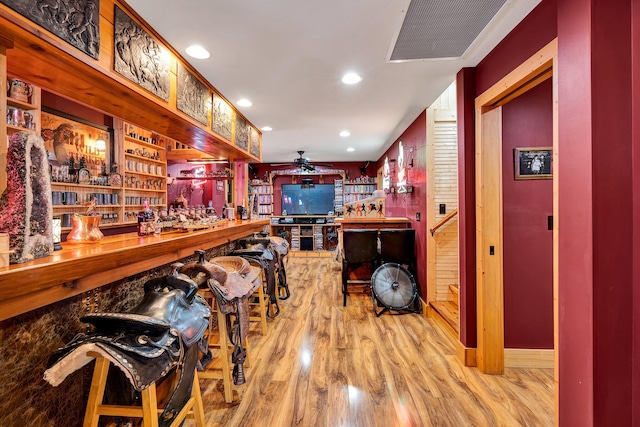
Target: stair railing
[{"x": 443, "y": 221}]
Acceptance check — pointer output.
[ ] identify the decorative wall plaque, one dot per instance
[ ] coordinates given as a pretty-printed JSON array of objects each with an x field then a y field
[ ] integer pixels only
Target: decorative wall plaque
[
  {"x": 222, "y": 117},
  {"x": 242, "y": 133},
  {"x": 254, "y": 142},
  {"x": 192, "y": 95},
  {"x": 139, "y": 58},
  {"x": 77, "y": 22}
]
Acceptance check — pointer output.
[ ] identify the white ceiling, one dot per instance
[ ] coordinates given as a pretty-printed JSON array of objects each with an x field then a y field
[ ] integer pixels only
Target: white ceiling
[{"x": 287, "y": 57}]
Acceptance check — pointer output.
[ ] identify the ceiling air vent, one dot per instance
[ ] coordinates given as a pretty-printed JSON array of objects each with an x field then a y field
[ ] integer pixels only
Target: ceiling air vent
[{"x": 442, "y": 28}]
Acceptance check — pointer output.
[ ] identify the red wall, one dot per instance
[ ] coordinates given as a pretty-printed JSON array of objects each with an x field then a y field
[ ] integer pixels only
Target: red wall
[
  {"x": 595, "y": 103},
  {"x": 534, "y": 32},
  {"x": 195, "y": 195},
  {"x": 527, "y": 241},
  {"x": 408, "y": 205},
  {"x": 635, "y": 56},
  {"x": 352, "y": 170},
  {"x": 465, "y": 87}
]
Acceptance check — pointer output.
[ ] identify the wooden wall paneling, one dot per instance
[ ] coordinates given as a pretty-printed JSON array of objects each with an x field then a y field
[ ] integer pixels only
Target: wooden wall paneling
[
  {"x": 446, "y": 259},
  {"x": 446, "y": 192},
  {"x": 490, "y": 354}
]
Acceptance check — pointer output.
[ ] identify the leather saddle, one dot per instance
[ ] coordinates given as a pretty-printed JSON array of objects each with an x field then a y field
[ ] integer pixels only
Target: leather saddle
[
  {"x": 232, "y": 281},
  {"x": 162, "y": 334},
  {"x": 261, "y": 250}
]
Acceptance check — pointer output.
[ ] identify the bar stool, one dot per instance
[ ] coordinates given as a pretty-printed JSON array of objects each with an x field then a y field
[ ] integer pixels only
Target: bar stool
[
  {"x": 219, "y": 368},
  {"x": 398, "y": 245},
  {"x": 260, "y": 299},
  {"x": 360, "y": 248},
  {"x": 148, "y": 411}
]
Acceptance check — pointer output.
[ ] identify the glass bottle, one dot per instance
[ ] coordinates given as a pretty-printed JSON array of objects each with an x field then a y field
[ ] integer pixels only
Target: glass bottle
[{"x": 145, "y": 218}]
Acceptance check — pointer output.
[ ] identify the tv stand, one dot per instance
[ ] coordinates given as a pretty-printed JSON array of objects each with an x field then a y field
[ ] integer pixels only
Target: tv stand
[{"x": 307, "y": 232}]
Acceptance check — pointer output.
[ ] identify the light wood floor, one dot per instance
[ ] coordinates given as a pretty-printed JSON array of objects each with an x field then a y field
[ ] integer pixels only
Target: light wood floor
[{"x": 325, "y": 365}]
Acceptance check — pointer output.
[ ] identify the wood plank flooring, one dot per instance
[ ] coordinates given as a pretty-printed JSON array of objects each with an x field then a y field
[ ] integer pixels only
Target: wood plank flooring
[{"x": 322, "y": 364}]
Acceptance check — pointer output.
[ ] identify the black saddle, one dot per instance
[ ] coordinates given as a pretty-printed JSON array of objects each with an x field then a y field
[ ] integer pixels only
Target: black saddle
[{"x": 165, "y": 331}]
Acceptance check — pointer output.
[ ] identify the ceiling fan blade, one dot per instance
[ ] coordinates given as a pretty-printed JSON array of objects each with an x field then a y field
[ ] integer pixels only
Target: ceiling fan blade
[{"x": 280, "y": 164}]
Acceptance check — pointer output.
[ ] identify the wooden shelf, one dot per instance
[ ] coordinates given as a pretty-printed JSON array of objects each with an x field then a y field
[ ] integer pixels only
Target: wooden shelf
[
  {"x": 148, "y": 159},
  {"x": 144, "y": 174},
  {"x": 74, "y": 185},
  {"x": 133, "y": 190},
  {"x": 208, "y": 178},
  {"x": 84, "y": 207},
  {"x": 20, "y": 129},
  {"x": 144, "y": 143},
  {"x": 21, "y": 104}
]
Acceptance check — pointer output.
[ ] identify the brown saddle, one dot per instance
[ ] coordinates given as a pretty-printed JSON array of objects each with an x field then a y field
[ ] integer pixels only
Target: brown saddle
[{"x": 232, "y": 281}]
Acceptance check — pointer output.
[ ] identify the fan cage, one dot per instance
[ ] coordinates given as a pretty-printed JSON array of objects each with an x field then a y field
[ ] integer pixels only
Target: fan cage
[{"x": 393, "y": 287}]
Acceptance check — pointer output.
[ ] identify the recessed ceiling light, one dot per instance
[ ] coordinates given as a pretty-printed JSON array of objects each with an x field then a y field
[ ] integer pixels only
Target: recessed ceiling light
[
  {"x": 345, "y": 133},
  {"x": 351, "y": 149},
  {"x": 198, "y": 52},
  {"x": 266, "y": 128},
  {"x": 351, "y": 78},
  {"x": 245, "y": 103}
]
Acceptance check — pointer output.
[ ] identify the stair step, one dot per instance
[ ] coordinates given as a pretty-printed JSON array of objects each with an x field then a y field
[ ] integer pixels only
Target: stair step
[
  {"x": 448, "y": 310},
  {"x": 455, "y": 293}
]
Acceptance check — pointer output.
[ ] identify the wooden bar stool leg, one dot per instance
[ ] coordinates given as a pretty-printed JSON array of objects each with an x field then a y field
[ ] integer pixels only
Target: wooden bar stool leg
[
  {"x": 149, "y": 410},
  {"x": 225, "y": 356},
  {"x": 149, "y": 407},
  {"x": 262, "y": 308},
  {"x": 198, "y": 407},
  {"x": 96, "y": 393}
]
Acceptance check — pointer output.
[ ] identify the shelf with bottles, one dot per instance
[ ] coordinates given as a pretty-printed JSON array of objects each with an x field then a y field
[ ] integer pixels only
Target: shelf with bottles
[
  {"x": 136, "y": 137},
  {"x": 110, "y": 214},
  {"x": 150, "y": 172},
  {"x": 73, "y": 196},
  {"x": 23, "y": 106},
  {"x": 142, "y": 156},
  {"x": 139, "y": 199},
  {"x": 146, "y": 183},
  {"x": 87, "y": 186}
]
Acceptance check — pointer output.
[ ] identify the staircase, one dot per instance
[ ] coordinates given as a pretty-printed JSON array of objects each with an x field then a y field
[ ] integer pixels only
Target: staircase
[{"x": 448, "y": 310}]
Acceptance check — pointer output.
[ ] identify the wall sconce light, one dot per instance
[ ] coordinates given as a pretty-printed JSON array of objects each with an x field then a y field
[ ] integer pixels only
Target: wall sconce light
[{"x": 56, "y": 231}]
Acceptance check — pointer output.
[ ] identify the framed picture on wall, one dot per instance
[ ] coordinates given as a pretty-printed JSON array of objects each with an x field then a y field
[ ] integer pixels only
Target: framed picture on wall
[{"x": 533, "y": 163}]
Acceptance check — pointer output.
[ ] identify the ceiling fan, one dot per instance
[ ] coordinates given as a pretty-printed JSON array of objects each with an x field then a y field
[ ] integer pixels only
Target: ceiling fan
[{"x": 302, "y": 163}]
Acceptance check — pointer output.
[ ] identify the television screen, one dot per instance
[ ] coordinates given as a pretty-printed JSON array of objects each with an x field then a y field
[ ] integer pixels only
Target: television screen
[{"x": 300, "y": 199}]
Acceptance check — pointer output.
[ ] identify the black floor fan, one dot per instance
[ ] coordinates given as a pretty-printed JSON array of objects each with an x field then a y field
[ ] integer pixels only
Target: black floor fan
[{"x": 394, "y": 288}]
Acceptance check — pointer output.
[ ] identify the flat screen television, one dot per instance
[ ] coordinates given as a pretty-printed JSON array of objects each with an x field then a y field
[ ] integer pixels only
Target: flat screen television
[{"x": 303, "y": 199}]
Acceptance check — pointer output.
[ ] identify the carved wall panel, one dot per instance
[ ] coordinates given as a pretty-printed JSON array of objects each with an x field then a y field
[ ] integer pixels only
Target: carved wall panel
[
  {"x": 139, "y": 57},
  {"x": 192, "y": 95},
  {"x": 222, "y": 117},
  {"x": 77, "y": 22},
  {"x": 242, "y": 133}
]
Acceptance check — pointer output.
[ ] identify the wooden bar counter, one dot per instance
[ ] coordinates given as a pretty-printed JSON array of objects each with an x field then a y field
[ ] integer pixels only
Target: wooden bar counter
[
  {"x": 81, "y": 267},
  {"x": 361, "y": 223}
]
